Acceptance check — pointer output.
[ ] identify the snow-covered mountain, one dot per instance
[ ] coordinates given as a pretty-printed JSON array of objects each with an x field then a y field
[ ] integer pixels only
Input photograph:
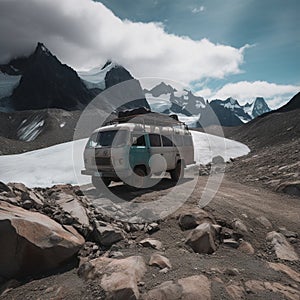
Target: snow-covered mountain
[
  {"x": 41, "y": 82},
  {"x": 194, "y": 110}
]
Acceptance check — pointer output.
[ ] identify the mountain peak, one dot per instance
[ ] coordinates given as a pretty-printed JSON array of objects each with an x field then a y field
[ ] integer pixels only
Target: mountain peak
[
  {"x": 260, "y": 107},
  {"x": 42, "y": 49}
]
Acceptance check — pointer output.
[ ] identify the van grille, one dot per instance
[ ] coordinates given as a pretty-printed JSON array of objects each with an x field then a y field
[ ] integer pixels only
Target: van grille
[{"x": 103, "y": 161}]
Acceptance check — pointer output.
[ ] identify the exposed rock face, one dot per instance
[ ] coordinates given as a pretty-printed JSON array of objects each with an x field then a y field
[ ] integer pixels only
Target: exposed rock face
[
  {"x": 202, "y": 239},
  {"x": 132, "y": 93},
  {"x": 47, "y": 83},
  {"x": 118, "y": 277},
  {"x": 41, "y": 243},
  {"x": 285, "y": 269}
]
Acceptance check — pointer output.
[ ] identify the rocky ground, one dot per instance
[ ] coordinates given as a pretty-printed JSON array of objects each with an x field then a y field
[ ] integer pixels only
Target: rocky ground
[{"x": 63, "y": 243}]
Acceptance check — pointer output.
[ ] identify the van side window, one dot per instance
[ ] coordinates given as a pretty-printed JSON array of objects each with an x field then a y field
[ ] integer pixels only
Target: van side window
[
  {"x": 167, "y": 141},
  {"x": 138, "y": 140},
  {"x": 154, "y": 140}
]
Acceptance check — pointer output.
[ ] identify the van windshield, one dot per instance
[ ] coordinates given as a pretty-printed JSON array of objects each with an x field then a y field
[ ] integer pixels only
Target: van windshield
[{"x": 111, "y": 138}]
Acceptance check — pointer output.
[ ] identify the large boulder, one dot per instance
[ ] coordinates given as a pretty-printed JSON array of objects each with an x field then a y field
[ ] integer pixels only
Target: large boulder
[{"x": 32, "y": 243}]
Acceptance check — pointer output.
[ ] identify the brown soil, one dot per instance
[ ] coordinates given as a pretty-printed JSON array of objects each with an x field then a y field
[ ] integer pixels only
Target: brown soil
[{"x": 233, "y": 200}]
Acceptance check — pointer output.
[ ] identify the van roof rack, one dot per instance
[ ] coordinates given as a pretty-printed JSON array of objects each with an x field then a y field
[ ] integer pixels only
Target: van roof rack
[{"x": 149, "y": 118}]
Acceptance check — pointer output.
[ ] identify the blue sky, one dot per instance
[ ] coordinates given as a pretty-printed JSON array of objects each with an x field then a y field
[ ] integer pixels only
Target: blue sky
[
  {"x": 271, "y": 27},
  {"x": 218, "y": 49}
]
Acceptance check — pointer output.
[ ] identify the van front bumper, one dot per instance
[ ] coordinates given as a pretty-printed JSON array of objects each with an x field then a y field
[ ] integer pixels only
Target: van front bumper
[{"x": 111, "y": 174}]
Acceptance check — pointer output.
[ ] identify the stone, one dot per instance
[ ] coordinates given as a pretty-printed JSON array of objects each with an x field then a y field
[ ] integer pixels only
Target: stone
[
  {"x": 288, "y": 233},
  {"x": 18, "y": 186},
  {"x": 239, "y": 226},
  {"x": 288, "y": 292},
  {"x": 4, "y": 187},
  {"x": 235, "y": 291},
  {"x": 231, "y": 271},
  {"x": 152, "y": 227},
  {"x": 42, "y": 243},
  {"x": 231, "y": 243},
  {"x": 265, "y": 222},
  {"x": 73, "y": 207},
  {"x": 285, "y": 269},
  {"x": 191, "y": 218},
  {"x": 283, "y": 249},
  {"x": 107, "y": 235},
  {"x": 168, "y": 290},
  {"x": 159, "y": 261},
  {"x": 151, "y": 243},
  {"x": 202, "y": 239},
  {"x": 117, "y": 277},
  {"x": 246, "y": 247},
  {"x": 197, "y": 287},
  {"x": 290, "y": 187}
]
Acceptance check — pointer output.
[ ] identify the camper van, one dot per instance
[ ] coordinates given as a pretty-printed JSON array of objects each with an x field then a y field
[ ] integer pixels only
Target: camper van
[{"x": 132, "y": 148}]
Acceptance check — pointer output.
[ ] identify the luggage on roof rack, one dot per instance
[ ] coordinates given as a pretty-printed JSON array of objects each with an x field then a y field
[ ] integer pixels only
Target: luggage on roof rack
[{"x": 133, "y": 112}]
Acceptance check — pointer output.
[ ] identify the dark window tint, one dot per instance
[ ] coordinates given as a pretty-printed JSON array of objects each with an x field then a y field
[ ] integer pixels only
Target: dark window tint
[
  {"x": 155, "y": 140},
  {"x": 167, "y": 141},
  {"x": 138, "y": 140},
  {"x": 114, "y": 138}
]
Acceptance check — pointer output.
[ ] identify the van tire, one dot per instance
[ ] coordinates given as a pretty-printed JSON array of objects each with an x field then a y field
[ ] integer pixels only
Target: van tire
[
  {"x": 178, "y": 172},
  {"x": 98, "y": 182}
]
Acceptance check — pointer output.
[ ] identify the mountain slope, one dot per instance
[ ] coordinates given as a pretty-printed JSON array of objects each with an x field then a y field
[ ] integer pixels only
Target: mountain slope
[{"x": 47, "y": 83}]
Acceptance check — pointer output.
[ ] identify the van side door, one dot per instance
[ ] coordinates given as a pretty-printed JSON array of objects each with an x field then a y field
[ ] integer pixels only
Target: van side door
[{"x": 139, "y": 153}]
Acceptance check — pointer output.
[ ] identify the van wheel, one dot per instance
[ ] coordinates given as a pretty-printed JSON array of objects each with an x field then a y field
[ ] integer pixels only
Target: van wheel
[
  {"x": 178, "y": 172},
  {"x": 98, "y": 182},
  {"x": 139, "y": 180}
]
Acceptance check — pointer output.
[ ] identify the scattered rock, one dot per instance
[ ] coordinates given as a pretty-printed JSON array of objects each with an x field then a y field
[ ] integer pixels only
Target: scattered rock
[
  {"x": 246, "y": 247},
  {"x": 151, "y": 243},
  {"x": 265, "y": 222},
  {"x": 4, "y": 187},
  {"x": 235, "y": 291},
  {"x": 285, "y": 269},
  {"x": 202, "y": 239},
  {"x": 107, "y": 235},
  {"x": 159, "y": 261},
  {"x": 191, "y": 218},
  {"x": 168, "y": 290},
  {"x": 196, "y": 287},
  {"x": 287, "y": 233},
  {"x": 231, "y": 243},
  {"x": 231, "y": 271},
  {"x": 291, "y": 188},
  {"x": 152, "y": 227},
  {"x": 239, "y": 226},
  {"x": 42, "y": 243},
  {"x": 288, "y": 292},
  {"x": 118, "y": 277},
  {"x": 283, "y": 249}
]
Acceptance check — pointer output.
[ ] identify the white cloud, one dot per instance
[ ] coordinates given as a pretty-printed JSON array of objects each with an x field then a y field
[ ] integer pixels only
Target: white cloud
[
  {"x": 84, "y": 34},
  {"x": 197, "y": 10},
  {"x": 245, "y": 91}
]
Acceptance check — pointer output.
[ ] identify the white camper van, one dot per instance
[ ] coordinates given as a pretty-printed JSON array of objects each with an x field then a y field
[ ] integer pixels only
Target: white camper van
[{"x": 134, "y": 147}]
